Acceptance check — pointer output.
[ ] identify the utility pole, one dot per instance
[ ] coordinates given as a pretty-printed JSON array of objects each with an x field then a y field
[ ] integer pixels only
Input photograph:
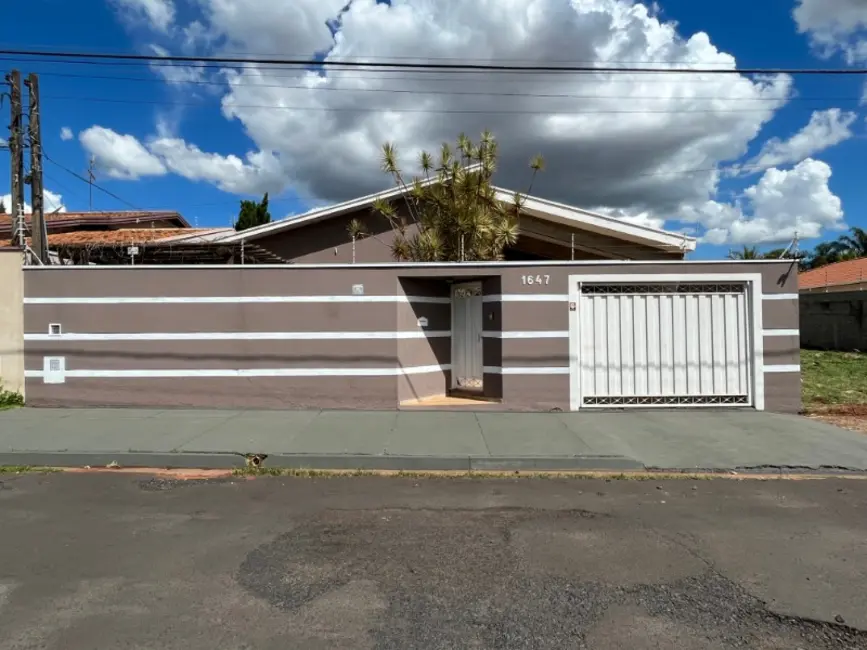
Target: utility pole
[
  {"x": 16, "y": 162},
  {"x": 90, "y": 178},
  {"x": 37, "y": 223}
]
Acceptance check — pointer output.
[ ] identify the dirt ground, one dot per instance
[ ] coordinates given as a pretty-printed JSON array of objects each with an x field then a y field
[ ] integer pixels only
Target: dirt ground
[{"x": 846, "y": 416}]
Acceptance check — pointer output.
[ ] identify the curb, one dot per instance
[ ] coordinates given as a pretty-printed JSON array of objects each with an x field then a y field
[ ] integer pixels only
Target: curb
[{"x": 345, "y": 462}]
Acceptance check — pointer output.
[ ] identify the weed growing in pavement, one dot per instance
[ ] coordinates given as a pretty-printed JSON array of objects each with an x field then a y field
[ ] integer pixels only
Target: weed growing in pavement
[
  {"x": 10, "y": 399},
  {"x": 26, "y": 469}
]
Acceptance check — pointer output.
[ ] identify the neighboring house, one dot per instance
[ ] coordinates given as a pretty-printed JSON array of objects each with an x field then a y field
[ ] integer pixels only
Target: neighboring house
[
  {"x": 65, "y": 222},
  {"x": 850, "y": 275},
  {"x": 833, "y": 306},
  {"x": 135, "y": 237},
  {"x": 548, "y": 231},
  {"x": 627, "y": 323}
]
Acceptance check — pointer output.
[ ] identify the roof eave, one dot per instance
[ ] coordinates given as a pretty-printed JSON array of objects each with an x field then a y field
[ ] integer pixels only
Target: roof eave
[{"x": 604, "y": 224}]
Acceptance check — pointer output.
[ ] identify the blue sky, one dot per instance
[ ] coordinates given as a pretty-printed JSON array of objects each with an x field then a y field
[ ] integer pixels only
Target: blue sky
[{"x": 164, "y": 145}]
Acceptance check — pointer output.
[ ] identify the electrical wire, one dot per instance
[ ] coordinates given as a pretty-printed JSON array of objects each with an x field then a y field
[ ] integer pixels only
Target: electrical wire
[
  {"x": 221, "y": 84},
  {"x": 56, "y": 47},
  {"x": 83, "y": 179},
  {"x": 427, "y": 111},
  {"x": 488, "y": 67},
  {"x": 465, "y": 76}
]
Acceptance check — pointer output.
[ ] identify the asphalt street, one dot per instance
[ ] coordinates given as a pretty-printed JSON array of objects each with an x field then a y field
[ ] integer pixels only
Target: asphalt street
[{"x": 124, "y": 561}]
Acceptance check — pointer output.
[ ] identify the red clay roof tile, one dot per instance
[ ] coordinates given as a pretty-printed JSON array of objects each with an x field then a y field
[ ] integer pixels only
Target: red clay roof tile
[
  {"x": 125, "y": 236},
  {"x": 101, "y": 218},
  {"x": 848, "y": 272}
]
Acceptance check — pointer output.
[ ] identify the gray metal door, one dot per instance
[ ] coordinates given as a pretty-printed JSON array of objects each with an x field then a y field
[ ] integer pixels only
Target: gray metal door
[
  {"x": 664, "y": 344},
  {"x": 467, "y": 369}
]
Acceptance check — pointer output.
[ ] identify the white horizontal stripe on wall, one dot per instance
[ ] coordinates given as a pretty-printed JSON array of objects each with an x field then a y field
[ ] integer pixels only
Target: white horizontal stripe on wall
[
  {"x": 527, "y": 370},
  {"x": 237, "y": 336},
  {"x": 526, "y": 297},
  {"x": 780, "y": 296},
  {"x": 783, "y": 368},
  {"x": 781, "y": 332},
  {"x": 244, "y": 372},
  {"x": 542, "y": 334},
  {"x": 143, "y": 300}
]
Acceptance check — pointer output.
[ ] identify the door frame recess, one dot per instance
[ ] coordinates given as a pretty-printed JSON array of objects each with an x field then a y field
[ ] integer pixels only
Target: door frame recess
[{"x": 754, "y": 295}]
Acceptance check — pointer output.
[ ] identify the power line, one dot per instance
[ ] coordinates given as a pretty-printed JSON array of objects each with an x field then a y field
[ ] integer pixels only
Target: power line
[
  {"x": 83, "y": 179},
  {"x": 466, "y": 76},
  {"x": 428, "y": 111},
  {"x": 222, "y": 84},
  {"x": 489, "y": 67},
  {"x": 62, "y": 187},
  {"x": 59, "y": 48}
]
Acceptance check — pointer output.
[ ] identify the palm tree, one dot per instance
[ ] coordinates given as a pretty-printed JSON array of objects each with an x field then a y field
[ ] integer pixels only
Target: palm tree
[
  {"x": 452, "y": 213},
  {"x": 828, "y": 252},
  {"x": 854, "y": 244},
  {"x": 746, "y": 253}
]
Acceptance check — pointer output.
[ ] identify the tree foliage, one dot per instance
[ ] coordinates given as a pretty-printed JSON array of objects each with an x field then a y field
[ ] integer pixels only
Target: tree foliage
[
  {"x": 451, "y": 212},
  {"x": 855, "y": 243},
  {"x": 253, "y": 213},
  {"x": 845, "y": 247}
]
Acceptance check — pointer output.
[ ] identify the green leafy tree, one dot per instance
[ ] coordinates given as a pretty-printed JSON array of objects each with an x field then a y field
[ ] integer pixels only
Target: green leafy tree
[
  {"x": 2, "y": 207},
  {"x": 253, "y": 213},
  {"x": 452, "y": 211}
]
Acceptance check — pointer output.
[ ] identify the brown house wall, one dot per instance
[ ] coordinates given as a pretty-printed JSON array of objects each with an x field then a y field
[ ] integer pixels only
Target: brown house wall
[
  {"x": 326, "y": 335},
  {"x": 429, "y": 351},
  {"x": 328, "y": 241}
]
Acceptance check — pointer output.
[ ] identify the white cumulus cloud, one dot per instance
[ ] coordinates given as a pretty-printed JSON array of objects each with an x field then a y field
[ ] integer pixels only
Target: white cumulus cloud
[
  {"x": 260, "y": 172},
  {"x": 622, "y": 141},
  {"x": 120, "y": 156},
  {"x": 124, "y": 156},
  {"x": 648, "y": 148},
  {"x": 66, "y": 134},
  {"x": 175, "y": 73},
  {"x": 52, "y": 202},
  {"x": 780, "y": 204},
  {"x": 834, "y": 26},
  {"x": 157, "y": 14},
  {"x": 825, "y": 129}
]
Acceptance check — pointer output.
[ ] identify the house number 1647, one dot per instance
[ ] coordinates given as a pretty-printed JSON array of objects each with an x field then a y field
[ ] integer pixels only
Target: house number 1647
[{"x": 535, "y": 279}]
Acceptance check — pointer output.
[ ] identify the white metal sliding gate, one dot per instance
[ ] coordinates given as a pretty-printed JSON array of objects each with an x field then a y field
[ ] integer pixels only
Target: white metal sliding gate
[{"x": 664, "y": 344}]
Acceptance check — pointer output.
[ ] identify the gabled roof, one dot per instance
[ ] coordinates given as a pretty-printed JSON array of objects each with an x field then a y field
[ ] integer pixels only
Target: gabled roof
[
  {"x": 840, "y": 273},
  {"x": 539, "y": 208}
]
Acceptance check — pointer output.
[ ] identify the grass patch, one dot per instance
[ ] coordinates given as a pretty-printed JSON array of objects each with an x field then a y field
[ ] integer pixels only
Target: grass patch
[
  {"x": 831, "y": 378},
  {"x": 10, "y": 399},
  {"x": 26, "y": 469}
]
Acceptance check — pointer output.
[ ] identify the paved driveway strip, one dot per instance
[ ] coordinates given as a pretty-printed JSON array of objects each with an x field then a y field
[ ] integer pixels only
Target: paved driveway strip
[{"x": 429, "y": 440}]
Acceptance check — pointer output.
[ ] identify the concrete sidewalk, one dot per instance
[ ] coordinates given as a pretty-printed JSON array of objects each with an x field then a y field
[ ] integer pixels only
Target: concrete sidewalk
[{"x": 425, "y": 440}]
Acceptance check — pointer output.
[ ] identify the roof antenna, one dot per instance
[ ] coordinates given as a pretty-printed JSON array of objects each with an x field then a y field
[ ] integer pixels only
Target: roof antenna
[{"x": 793, "y": 247}]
